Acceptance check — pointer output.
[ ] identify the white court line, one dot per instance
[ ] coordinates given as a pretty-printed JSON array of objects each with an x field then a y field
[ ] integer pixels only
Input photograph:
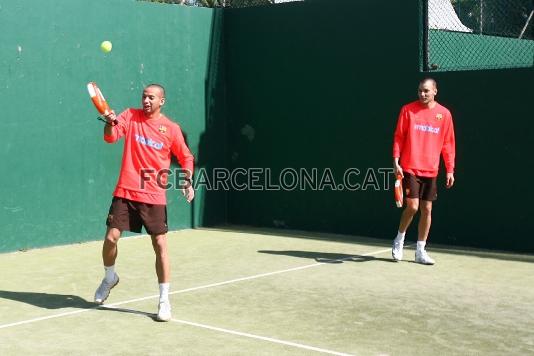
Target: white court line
[
  {"x": 250, "y": 277},
  {"x": 54, "y": 316},
  {"x": 269, "y": 339}
]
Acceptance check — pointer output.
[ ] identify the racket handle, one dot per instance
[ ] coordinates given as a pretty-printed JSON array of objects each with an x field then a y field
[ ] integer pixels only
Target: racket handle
[{"x": 399, "y": 196}]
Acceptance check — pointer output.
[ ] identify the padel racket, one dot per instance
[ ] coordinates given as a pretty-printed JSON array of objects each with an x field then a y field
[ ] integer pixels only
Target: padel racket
[
  {"x": 98, "y": 99},
  {"x": 399, "y": 195}
]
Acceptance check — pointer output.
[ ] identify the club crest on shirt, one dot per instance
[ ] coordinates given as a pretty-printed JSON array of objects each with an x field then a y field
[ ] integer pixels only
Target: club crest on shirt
[
  {"x": 439, "y": 116},
  {"x": 162, "y": 129}
]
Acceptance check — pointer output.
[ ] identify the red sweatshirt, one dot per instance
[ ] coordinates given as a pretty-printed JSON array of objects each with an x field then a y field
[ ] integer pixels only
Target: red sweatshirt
[
  {"x": 422, "y": 134},
  {"x": 148, "y": 144}
]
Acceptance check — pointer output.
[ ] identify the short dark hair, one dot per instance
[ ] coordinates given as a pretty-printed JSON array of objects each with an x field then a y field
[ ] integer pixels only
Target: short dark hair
[
  {"x": 157, "y": 86},
  {"x": 428, "y": 79}
]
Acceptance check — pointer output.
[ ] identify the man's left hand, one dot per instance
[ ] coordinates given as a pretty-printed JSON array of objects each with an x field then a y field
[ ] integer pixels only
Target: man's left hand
[
  {"x": 450, "y": 180},
  {"x": 189, "y": 193}
]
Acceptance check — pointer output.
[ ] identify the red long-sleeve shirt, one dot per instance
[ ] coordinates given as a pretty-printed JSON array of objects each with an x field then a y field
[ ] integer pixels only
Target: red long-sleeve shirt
[
  {"x": 422, "y": 134},
  {"x": 148, "y": 144}
]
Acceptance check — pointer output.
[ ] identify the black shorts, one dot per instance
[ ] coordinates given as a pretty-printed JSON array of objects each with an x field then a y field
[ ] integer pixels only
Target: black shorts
[
  {"x": 131, "y": 215},
  {"x": 416, "y": 187}
]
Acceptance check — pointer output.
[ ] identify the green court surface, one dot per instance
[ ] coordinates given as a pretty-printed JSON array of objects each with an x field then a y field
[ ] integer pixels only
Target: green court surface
[{"x": 242, "y": 291}]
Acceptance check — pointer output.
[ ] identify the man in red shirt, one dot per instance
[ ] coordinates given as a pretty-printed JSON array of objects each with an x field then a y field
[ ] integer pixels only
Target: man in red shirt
[
  {"x": 424, "y": 131},
  {"x": 139, "y": 198}
]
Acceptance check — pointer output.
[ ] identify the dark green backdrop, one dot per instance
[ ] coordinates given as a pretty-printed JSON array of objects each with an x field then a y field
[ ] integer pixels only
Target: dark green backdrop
[{"x": 322, "y": 83}]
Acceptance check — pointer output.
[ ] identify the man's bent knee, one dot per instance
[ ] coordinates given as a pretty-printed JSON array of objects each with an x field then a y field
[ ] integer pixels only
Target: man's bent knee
[{"x": 113, "y": 235}]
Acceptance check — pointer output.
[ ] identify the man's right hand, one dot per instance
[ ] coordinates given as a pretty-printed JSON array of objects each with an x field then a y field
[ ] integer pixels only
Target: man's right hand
[
  {"x": 111, "y": 120},
  {"x": 397, "y": 168},
  {"x": 111, "y": 117}
]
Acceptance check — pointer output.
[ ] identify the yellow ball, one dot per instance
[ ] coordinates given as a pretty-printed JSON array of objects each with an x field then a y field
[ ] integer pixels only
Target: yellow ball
[{"x": 106, "y": 46}]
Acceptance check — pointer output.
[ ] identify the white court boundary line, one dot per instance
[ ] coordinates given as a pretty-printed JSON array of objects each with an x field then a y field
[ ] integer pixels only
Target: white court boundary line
[
  {"x": 75, "y": 312},
  {"x": 188, "y": 289},
  {"x": 263, "y": 338}
]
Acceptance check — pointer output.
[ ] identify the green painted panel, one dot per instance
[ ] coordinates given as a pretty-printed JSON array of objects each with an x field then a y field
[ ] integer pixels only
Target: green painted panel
[
  {"x": 461, "y": 51},
  {"x": 320, "y": 83},
  {"x": 490, "y": 204},
  {"x": 58, "y": 173}
]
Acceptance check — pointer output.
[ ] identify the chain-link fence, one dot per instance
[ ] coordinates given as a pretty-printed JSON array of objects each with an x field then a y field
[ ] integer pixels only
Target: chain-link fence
[
  {"x": 478, "y": 34},
  {"x": 223, "y": 3}
]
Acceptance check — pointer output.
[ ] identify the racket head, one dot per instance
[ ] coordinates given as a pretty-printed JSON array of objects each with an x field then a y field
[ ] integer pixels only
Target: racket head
[
  {"x": 98, "y": 99},
  {"x": 399, "y": 195}
]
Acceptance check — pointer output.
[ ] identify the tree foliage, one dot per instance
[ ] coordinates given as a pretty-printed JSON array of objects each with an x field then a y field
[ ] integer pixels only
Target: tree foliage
[
  {"x": 216, "y": 3},
  {"x": 495, "y": 17}
]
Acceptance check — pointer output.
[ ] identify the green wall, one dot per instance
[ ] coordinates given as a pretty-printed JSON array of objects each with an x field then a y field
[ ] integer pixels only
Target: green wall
[
  {"x": 58, "y": 174},
  {"x": 490, "y": 206},
  {"x": 322, "y": 82},
  {"x": 319, "y": 83},
  {"x": 460, "y": 51}
]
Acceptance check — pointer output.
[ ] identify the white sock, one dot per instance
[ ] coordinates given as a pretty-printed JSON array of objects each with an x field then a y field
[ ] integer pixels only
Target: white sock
[
  {"x": 164, "y": 291},
  {"x": 400, "y": 236},
  {"x": 421, "y": 245},
  {"x": 110, "y": 273}
]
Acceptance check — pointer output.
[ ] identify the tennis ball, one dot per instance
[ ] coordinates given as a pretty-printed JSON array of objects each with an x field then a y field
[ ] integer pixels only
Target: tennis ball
[{"x": 106, "y": 46}]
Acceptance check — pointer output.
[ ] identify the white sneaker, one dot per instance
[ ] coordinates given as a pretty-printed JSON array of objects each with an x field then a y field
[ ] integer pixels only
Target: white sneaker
[
  {"x": 102, "y": 293},
  {"x": 396, "y": 251},
  {"x": 423, "y": 258},
  {"x": 164, "y": 311}
]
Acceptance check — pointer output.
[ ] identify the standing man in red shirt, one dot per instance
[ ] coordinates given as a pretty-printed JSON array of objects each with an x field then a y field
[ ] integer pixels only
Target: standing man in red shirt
[
  {"x": 139, "y": 198},
  {"x": 424, "y": 131}
]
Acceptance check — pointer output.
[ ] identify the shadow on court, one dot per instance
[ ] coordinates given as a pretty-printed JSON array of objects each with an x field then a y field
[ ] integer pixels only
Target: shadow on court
[
  {"x": 128, "y": 311},
  {"x": 48, "y": 301},
  {"x": 327, "y": 257},
  {"x": 487, "y": 254},
  {"x": 60, "y": 301}
]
